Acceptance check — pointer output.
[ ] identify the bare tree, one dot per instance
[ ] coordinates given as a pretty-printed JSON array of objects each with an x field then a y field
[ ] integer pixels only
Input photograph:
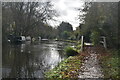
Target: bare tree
[{"x": 28, "y": 16}]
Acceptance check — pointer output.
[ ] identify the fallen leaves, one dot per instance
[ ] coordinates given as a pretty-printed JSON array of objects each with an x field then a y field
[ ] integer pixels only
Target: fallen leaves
[{"x": 66, "y": 69}]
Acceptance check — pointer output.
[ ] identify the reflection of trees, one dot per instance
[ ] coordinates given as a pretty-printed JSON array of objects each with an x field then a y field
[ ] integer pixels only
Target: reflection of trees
[
  {"x": 18, "y": 61},
  {"x": 60, "y": 49}
]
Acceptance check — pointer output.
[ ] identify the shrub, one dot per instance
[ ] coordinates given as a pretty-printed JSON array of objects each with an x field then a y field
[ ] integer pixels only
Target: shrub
[
  {"x": 110, "y": 65},
  {"x": 95, "y": 37},
  {"x": 78, "y": 46},
  {"x": 70, "y": 51}
]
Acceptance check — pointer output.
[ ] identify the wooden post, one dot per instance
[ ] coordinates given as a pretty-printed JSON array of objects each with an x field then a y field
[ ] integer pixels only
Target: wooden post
[
  {"x": 104, "y": 42},
  {"x": 104, "y": 39},
  {"x": 82, "y": 43}
]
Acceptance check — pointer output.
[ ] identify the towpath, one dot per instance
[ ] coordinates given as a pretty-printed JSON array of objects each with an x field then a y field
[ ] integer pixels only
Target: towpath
[{"x": 90, "y": 67}]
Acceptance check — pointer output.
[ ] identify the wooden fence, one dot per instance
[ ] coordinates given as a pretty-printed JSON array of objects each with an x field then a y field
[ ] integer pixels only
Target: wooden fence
[{"x": 103, "y": 42}]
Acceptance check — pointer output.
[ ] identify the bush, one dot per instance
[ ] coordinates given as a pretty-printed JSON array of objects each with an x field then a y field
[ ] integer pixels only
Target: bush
[
  {"x": 95, "y": 37},
  {"x": 70, "y": 51},
  {"x": 110, "y": 65}
]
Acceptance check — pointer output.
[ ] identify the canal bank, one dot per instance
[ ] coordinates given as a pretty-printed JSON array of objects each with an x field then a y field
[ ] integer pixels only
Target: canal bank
[
  {"x": 69, "y": 68},
  {"x": 84, "y": 65}
]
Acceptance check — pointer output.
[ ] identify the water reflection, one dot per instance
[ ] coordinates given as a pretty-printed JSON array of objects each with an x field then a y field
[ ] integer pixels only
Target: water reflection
[
  {"x": 31, "y": 60},
  {"x": 52, "y": 58}
]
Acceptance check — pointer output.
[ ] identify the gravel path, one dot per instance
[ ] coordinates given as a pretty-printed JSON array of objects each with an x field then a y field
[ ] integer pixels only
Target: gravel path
[{"x": 91, "y": 68}]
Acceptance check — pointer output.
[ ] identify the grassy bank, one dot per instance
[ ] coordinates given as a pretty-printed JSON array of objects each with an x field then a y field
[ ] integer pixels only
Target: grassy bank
[
  {"x": 111, "y": 65},
  {"x": 69, "y": 67},
  {"x": 66, "y": 69}
]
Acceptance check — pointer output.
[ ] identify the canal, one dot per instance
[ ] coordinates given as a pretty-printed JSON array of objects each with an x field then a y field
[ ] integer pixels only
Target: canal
[{"x": 31, "y": 60}]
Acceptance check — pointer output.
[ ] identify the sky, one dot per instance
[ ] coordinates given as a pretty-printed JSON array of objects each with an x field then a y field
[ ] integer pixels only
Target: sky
[{"x": 68, "y": 12}]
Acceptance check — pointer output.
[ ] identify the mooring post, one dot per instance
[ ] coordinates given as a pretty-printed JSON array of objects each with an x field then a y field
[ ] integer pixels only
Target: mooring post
[{"x": 82, "y": 43}]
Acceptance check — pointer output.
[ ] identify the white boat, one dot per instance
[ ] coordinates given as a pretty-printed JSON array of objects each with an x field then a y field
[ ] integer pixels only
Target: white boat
[
  {"x": 28, "y": 38},
  {"x": 44, "y": 39}
]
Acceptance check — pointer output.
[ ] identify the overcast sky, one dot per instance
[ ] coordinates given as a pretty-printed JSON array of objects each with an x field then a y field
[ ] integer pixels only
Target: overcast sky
[{"x": 67, "y": 11}]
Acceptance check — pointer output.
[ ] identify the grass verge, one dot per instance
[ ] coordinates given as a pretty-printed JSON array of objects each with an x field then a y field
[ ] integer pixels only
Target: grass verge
[
  {"x": 111, "y": 65},
  {"x": 68, "y": 68}
]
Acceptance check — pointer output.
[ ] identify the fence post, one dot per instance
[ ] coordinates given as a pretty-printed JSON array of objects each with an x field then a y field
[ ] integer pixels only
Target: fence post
[
  {"x": 104, "y": 39},
  {"x": 82, "y": 43},
  {"x": 104, "y": 42}
]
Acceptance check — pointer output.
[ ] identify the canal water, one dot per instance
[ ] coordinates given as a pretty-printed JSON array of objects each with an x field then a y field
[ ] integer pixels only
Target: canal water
[{"x": 31, "y": 60}]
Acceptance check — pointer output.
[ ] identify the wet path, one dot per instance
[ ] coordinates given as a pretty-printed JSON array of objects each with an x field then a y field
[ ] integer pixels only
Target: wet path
[{"x": 90, "y": 67}]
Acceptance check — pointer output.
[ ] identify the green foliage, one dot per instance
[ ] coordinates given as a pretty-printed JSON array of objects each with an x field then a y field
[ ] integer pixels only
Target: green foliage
[
  {"x": 110, "y": 65},
  {"x": 95, "y": 37},
  {"x": 65, "y": 69},
  {"x": 65, "y": 35},
  {"x": 64, "y": 30},
  {"x": 104, "y": 17},
  {"x": 70, "y": 51},
  {"x": 71, "y": 41},
  {"x": 78, "y": 46},
  {"x": 77, "y": 33}
]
